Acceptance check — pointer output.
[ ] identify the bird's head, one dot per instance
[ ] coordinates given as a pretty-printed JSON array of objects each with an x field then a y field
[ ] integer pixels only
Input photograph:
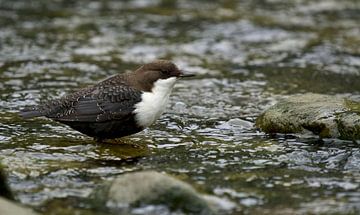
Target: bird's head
[{"x": 159, "y": 71}]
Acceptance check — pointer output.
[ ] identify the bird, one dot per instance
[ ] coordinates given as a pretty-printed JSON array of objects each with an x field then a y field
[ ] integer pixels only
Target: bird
[{"x": 121, "y": 105}]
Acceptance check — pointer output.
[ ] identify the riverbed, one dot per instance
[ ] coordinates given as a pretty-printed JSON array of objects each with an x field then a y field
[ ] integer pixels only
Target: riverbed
[{"x": 246, "y": 54}]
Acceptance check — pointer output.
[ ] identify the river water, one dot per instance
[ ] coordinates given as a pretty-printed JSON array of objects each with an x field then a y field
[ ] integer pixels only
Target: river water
[{"x": 246, "y": 54}]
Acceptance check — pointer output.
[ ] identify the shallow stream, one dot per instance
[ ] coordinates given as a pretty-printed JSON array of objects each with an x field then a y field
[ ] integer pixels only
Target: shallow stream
[{"x": 246, "y": 54}]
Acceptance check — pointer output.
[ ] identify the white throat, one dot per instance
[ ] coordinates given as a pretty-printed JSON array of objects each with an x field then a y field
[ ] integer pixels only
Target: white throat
[{"x": 153, "y": 103}]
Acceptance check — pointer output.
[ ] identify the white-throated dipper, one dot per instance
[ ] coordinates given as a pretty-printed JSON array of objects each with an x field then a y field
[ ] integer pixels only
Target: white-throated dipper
[{"x": 121, "y": 105}]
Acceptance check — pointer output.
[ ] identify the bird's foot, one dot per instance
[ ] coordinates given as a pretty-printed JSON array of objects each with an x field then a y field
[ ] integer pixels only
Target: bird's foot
[{"x": 116, "y": 141}]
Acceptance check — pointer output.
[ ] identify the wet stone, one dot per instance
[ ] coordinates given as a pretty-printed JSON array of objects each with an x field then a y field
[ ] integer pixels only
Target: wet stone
[
  {"x": 8, "y": 207},
  {"x": 323, "y": 115},
  {"x": 240, "y": 123},
  {"x": 135, "y": 190}
]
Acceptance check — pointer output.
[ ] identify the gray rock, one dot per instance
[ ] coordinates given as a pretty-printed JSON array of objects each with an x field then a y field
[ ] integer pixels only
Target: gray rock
[
  {"x": 134, "y": 190},
  {"x": 6, "y": 205},
  {"x": 4, "y": 188},
  {"x": 236, "y": 123},
  {"x": 323, "y": 115},
  {"x": 9, "y": 207}
]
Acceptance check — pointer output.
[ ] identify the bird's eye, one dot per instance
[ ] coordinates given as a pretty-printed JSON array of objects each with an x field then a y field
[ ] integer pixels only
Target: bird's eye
[{"x": 165, "y": 72}]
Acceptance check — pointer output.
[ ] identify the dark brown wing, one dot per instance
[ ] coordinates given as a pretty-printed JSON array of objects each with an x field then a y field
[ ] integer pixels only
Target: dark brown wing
[{"x": 95, "y": 104}]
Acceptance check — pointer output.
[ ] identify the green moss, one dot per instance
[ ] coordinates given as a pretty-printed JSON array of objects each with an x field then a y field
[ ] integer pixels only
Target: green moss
[
  {"x": 352, "y": 105},
  {"x": 349, "y": 126},
  {"x": 271, "y": 122},
  {"x": 87, "y": 27},
  {"x": 352, "y": 44},
  {"x": 325, "y": 133},
  {"x": 318, "y": 129}
]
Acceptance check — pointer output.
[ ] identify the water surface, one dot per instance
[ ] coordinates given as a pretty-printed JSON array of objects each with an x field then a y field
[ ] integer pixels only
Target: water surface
[{"x": 247, "y": 54}]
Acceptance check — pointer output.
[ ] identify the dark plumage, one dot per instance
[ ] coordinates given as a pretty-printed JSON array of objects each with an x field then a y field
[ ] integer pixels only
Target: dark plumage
[{"x": 106, "y": 110}]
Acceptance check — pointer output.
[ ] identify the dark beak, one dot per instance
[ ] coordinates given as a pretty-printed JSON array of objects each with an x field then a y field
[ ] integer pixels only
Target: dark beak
[{"x": 182, "y": 75}]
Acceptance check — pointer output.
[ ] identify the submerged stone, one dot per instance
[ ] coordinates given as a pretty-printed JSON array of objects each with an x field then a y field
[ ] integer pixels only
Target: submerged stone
[
  {"x": 323, "y": 115},
  {"x": 136, "y": 190}
]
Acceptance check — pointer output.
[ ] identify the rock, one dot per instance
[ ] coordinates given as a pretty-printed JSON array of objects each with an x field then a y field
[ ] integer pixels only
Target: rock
[
  {"x": 237, "y": 124},
  {"x": 134, "y": 190},
  {"x": 4, "y": 188},
  {"x": 349, "y": 126},
  {"x": 323, "y": 115},
  {"x": 8, "y": 207}
]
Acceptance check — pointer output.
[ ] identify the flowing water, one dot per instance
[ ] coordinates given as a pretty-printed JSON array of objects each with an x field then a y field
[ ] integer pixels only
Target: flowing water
[{"x": 246, "y": 54}]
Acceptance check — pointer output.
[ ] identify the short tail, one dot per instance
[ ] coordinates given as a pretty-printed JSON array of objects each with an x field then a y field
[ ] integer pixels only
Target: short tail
[{"x": 26, "y": 114}]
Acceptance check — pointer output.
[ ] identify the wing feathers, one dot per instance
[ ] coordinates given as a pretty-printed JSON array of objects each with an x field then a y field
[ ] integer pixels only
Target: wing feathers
[{"x": 98, "y": 105}]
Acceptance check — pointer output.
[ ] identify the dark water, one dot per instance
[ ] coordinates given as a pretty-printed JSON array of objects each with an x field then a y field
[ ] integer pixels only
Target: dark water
[{"x": 247, "y": 55}]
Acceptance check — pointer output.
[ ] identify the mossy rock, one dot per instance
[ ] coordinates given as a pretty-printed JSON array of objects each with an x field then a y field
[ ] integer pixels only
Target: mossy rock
[{"x": 323, "y": 115}]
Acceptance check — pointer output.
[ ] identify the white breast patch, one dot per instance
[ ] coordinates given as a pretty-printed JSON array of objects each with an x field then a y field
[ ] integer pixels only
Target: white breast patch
[{"x": 154, "y": 103}]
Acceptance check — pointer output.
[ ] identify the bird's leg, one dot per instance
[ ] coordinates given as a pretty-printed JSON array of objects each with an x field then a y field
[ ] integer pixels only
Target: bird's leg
[
  {"x": 108, "y": 141},
  {"x": 98, "y": 140},
  {"x": 118, "y": 141}
]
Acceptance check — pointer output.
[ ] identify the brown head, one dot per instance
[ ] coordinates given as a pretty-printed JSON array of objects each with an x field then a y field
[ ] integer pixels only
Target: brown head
[{"x": 149, "y": 73}]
